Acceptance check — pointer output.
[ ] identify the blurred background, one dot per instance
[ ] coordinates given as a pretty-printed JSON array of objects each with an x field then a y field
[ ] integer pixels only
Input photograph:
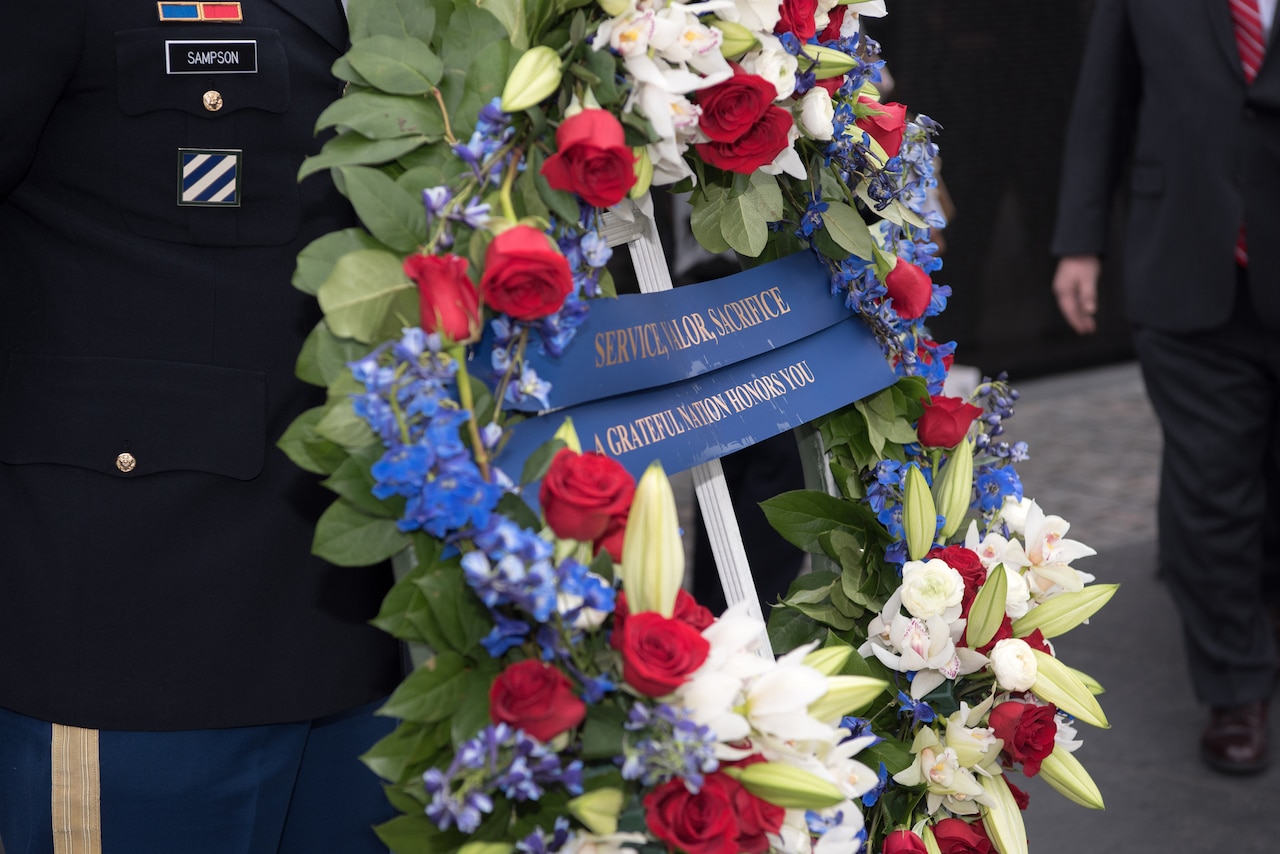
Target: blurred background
[{"x": 999, "y": 76}]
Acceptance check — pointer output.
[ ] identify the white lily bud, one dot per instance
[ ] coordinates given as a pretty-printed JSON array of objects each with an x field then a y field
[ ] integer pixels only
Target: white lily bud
[
  {"x": 652, "y": 554},
  {"x": 919, "y": 517},
  {"x": 536, "y": 76}
]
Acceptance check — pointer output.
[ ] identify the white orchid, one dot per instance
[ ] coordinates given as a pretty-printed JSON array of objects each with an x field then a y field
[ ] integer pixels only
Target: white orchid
[
  {"x": 757, "y": 15},
  {"x": 947, "y": 782},
  {"x": 925, "y": 647},
  {"x": 1048, "y": 555}
]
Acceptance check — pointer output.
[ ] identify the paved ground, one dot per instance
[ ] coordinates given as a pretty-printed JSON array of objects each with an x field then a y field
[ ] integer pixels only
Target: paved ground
[{"x": 1094, "y": 452}]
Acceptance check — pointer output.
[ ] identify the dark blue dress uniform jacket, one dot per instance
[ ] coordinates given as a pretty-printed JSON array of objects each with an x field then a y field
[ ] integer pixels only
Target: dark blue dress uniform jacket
[{"x": 180, "y": 593}]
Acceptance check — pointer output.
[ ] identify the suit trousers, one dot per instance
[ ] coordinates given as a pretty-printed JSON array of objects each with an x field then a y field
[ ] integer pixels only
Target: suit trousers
[
  {"x": 294, "y": 788},
  {"x": 1217, "y": 396}
]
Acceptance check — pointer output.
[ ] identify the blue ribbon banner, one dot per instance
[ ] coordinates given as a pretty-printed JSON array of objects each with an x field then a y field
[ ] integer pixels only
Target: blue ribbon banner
[
  {"x": 691, "y": 422},
  {"x": 640, "y": 341}
]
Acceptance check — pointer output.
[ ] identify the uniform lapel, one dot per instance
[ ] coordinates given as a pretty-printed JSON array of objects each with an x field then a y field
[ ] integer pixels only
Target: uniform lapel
[
  {"x": 1224, "y": 33},
  {"x": 323, "y": 16}
]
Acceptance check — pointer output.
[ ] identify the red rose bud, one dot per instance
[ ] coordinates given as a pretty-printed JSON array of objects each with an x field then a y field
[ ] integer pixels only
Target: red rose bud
[
  {"x": 659, "y": 653},
  {"x": 957, "y": 836},
  {"x": 902, "y": 841},
  {"x": 448, "y": 300},
  {"x": 757, "y": 147},
  {"x": 592, "y": 159},
  {"x": 910, "y": 288},
  {"x": 524, "y": 275},
  {"x": 730, "y": 109},
  {"x": 695, "y": 824},
  {"x": 536, "y": 698},
  {"x": 887, "y": 126},
  {"x": 583, "y": 495},
  {"x": 797, "y": 17},
  {"x": 945, "y": 421},
  {"x": 1028, "y": 732},
  {"x": 968, "y": 564}
]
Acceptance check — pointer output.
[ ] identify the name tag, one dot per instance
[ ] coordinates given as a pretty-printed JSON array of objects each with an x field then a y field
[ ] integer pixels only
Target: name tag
[{"x": 211, "y": 56}]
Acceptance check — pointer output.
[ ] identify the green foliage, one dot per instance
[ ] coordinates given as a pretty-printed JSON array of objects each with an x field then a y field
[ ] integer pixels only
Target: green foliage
[{"x": 347, "y": 536}]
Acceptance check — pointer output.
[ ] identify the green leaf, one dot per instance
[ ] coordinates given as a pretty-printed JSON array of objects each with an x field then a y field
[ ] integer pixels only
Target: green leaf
[
  {"x": 391, "y": 214},
  {"x": 352, "y": 149},
  {"x": 511, "y": 14},
  {"x": 477, "y": 58},
  {"x": 602, "y": 734},
  {"x": 405, "y": 614},
  {"x": 417, "y": 834},
  {"x": 308, "y": 450},
  {"x": 604, "y": 65},
  {"x": 377, "y": 115},
  {"x": 514, "y": 508},
  {"x": 743, "y": 227},
  {"x": 708, "y": 206},
  {"x": 348, "y": 537},
  {"x": 401, "y": 66},
  {"x": 409, "y": 802},
  {"x": 800, "y": 516},
  {"x": 535, "y": 468},
  {"x": 324, "y": 356},
  {"x": 353, "y": 482},
  {"x": 431, "y": 693},
  {"x": 846, "y": 228},
  {"x": 790, "y": 628},
  {"x": 316, "y": 260},
  {"x": 460, "y": 618},
  {"x": 368, "y": 296},
  {"x": 473, "y": 714},
  {"x": 409, "y": 747},
  {"x": 766, "y": 195},
  {"x": 398, "y": 18},
  {"x": 343, "y": 427}
]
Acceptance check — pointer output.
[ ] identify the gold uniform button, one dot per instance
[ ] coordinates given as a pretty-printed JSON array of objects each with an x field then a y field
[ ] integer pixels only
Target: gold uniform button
[
  {"x": 212, "y": 100},
  {"x": 126, "y": 462}
]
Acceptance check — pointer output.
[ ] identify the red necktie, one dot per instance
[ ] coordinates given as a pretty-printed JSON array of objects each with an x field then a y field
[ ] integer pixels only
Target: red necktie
[
  {"x": 1249, "y": 36},
  {"x": 1251, "y": 42}
]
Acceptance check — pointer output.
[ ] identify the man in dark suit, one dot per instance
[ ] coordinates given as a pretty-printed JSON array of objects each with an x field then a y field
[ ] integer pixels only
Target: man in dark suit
[
  {"x": 201, "y": 682},
  {"x": 1188, "y": 92}
]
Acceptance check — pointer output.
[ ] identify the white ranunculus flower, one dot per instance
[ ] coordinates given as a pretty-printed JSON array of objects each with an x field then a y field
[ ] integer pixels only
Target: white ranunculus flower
[
  {"x": 1013, "y": 664},
  {"x": 1017, "y": 598},
  {"x": 774, "y": 64},
  {"x": 613, "y": 843},
  {"x": 817, "y": 114},
  {"x": 932, "y": 589}
]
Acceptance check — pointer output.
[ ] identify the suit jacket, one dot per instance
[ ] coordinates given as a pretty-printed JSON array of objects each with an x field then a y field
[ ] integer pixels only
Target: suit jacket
[
  {"x": 147, "y": 238},
  {"x": 1162, "y": 87}
]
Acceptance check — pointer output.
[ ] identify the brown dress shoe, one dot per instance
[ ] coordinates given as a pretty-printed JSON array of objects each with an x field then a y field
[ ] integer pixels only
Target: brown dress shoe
[{"x": 1235, "y": 741}]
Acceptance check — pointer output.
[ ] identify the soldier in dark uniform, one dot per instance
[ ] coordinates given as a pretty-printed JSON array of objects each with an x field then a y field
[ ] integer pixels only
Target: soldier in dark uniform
[{"x": 200, "y": 682}]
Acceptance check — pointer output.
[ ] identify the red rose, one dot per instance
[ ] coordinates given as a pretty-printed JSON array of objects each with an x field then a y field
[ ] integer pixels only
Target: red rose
[
  {"x": 956, "y": 836},
  {"x": 695, "y": 824},
  {"x": 887, "y": 126},
  {"x": 761, "y": 143},
  {"x": 910, "y": 288},
  {"x": 969, "y": 565},
  {"x": 611, "y": 540},
  {"x": 582, "y": 495},
  {"x": 797, "y": 17},
  {"x": 835, "y": 20},
  {"x": 536, "y": 698},
  {"x": 831, "y": 84},
  {"x": 658, "y": 653},
  {"x": 902, "y": 841},
  {"x": 1021, "y": 798},
  {"x": 945, "y": 421},
  {"x": 449, "y": 303},
  {"x": 756, "y": 817},
  {"x": 687, "y": 610},
  {"x": 730, "y": 109},
  {"x": 1004, "y": 632},
  {"x": 592, "y": 159},
  {"x": 1028, "y": 732},
  {"x": 1036, "y": 640},
  {"x": 524, "y": 275}
]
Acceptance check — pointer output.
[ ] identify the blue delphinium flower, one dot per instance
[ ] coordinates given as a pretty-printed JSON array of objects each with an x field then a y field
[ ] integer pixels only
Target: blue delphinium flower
[
  {"x": 920, "y": 711},
  {"x": 994, "y": 484},
  {"x": 668, "y": 745}
]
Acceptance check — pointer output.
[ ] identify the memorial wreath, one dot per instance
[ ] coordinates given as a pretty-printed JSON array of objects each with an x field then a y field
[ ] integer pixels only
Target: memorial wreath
[{"x": 573, "y": 697}]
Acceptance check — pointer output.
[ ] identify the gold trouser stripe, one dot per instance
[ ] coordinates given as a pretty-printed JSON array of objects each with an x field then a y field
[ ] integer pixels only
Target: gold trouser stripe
[{"x": 77, "y": 791}]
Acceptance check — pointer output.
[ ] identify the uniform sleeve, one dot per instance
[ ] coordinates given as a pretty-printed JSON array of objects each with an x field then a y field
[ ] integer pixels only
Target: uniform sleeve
[
  {"x": 1099, "y": 132},
  {"x": 40, "y": 45}
]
